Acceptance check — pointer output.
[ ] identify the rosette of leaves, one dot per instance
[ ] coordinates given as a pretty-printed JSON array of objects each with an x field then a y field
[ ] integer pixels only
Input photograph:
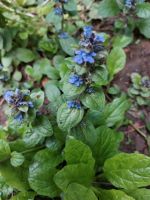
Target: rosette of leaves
[
  {"x": 140, "y": 89},
  {"x": 131, "y": 14}
]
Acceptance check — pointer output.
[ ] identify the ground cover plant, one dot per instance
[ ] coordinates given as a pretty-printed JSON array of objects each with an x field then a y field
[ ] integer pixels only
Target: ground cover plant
[{"x": 63, "y": 117}]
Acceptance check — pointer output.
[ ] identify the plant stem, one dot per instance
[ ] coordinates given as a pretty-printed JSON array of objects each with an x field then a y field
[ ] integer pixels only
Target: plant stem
[{"x": 139, "y": 131}]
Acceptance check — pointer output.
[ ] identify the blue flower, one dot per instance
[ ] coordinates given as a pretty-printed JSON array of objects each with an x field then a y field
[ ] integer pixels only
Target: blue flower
[
  {"x": 8, "y": 96},
  {"x": 87, "y": 31},
  {"x": 19, "y": 117},
  {"x": 58, "y": 11},
  {"x": 76, "y": 80},
  {"x": 129, "y": 3},
  {"x": 74, "y": 104},
  {"x": 99, "y": 38},
  {"x": 63, "y": 35},
  {"x": 84, "y": 57}
]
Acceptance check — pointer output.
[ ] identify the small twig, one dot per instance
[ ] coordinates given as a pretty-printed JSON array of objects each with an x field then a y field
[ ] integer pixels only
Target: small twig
[
  {"x": 139, "y": 131},
  {"x": 131, "y": 131}
]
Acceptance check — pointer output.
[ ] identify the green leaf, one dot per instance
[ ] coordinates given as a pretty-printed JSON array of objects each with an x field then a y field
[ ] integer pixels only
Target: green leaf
[
  {"x": 24, "y": 55},
  {"x": 17, "y": 159},
  {"x": 144, "y": 27},
  {"x": 1, "y": 42},
  {"x": 143, "y": 10},
  {"x": 4, "y": 150},
  {"x": 68, "y": 45},
  {"x": 70, "y": 5},
  {"x": 72, "y": 91},
  {"x": 105, "y": 8},
  {"x": 140, "y": 194},
  {"x": 115, "y": 61},
  {"x": 128, "y": 171},
  {"x": 56, "y": 20},
  {"x": 94, "y": 101},
  {"x": 38, "y": 98},
  {"x": 24, "y": 196},
  {"x": 107, "y": 144},
  {"x": 122, "y": 41},
  {"x": 42, "y": 171},
  {"x": 78, "y": 152},
  {"x": 75, "y": 173},
  {"x": 100, "y": 77},
  {"x": 76, "y": 191},
  {"x": 68, "y": 118},
  {"x": 113, "y": 195},
  {"x": 15, "y": 177}
]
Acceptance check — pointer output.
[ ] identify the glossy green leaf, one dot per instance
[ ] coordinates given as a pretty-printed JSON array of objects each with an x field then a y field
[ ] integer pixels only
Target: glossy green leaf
[
  {"x": 24, "y": 196},
  {"x": 143, "y": 10},
  {"x": 128, "y": 171},
  {"x": 94, "y": 101},
  {"x": 140, "y": 194},
  {"x": 76, "y": 191},
  {"x": 107, "y": 144},
  {"x": 144, "y": 27},
  {"x": 113, "y": 195},
  {"x": 70, "y": 5},
  {"x": 116, "y": 61},
  {"x": 68, "y": 45},
  {"x": 17, "y": 159},
  {"x": 68, "y": 118},
  {"x": 42, "y": 171}
]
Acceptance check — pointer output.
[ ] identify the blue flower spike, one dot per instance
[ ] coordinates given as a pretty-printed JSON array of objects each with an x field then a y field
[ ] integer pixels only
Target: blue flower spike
[
  {"x": 87, "y": 31},
  {"x": 76, "y": 80},
  {"x": 63, "y": 35},
  {"x": 84, "y": 57},
  {"x": 58, "y": 11},
  {"x": 74, "y": 104}
]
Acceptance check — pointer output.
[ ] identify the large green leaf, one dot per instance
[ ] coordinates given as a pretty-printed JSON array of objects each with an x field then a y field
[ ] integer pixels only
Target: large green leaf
[
  {"x": 78, "y": 152},
  {"x": 105, "y": 8},
  {"x": 107, "y": 144},
  {"x": 17, "y": 159},
  {"x": 76, "y": 173},
  {"x": 128, "y": 171},
  {"x": 4, "y": 150},
  {"x": 79, "y": 192},
  {"x": 72, "y": 91},
  {"x": 94, "y": 101},
  {"x": 140, "y": 194},
  {"x": 143, "y": 10},
  {"x": 116, "y": 61},
  {"x": 144, "y": 27},
  {"x": 113, "y": 195},
  {"x": 24, "y": 55},
  {"x": 15, "y": 177},
  {"x": 42, "y": 171},
  {"x": 68, "y": 118}
]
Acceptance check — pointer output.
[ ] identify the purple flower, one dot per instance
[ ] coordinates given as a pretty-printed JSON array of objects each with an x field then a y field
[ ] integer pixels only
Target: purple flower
[
  {"x": 63, "y": 35},
  {"x": 58, "y": 11},
  {"x": 87, "y": 31},
  {"x": 76, "y": 80},
  {"x": 74, "y": 104},
  {"x": 84, "y": 57},
  {"x": 129, "y": 3}
]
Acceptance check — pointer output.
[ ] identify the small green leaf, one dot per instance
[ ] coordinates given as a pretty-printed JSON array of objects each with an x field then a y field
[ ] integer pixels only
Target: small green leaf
[
  {"x": 24, "y": 55},
  {"x": 24, "y": 196},
  {"x": 4, "y": 150},
  {"x": 128, "y": 171},
  {"x": 122, "y": 41},
  {"x": 38, "y": 98},
  {"x": 144, "y": 27},
  {"x": 116, "y": 61},
  {"x": 68, "y": 118},
  {"x": 79, "y": 192},
  {"x": 17, "y": 159}
]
